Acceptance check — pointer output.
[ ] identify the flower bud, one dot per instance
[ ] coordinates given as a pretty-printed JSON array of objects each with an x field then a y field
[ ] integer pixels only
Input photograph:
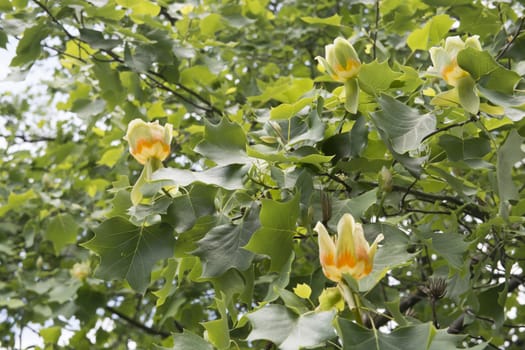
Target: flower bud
[
  {"x": 385, "y": 179},
  {"x": 149, "y": 140},
  {"x": 80, "y": 271}
]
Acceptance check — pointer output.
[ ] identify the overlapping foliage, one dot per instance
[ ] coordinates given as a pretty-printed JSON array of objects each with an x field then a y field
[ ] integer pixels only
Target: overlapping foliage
[{"x": 263, "y": 148}]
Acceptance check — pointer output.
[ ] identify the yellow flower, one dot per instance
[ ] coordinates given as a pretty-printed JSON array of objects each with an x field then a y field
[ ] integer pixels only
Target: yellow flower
[
  {"x": 149, "y": 140},
  {"x": 349, "y": 254},
  {"x": 80, "y": 270},
  {"x": 341, "y": 60}
]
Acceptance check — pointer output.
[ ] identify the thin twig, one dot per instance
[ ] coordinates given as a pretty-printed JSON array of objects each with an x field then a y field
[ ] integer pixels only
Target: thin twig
[{"x": 511, "y": 41}]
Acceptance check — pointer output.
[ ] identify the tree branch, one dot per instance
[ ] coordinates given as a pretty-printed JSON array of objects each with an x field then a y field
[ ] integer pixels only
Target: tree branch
[
  {"x": 137, "y": 324},
  {"x": 458, "y": 325}
]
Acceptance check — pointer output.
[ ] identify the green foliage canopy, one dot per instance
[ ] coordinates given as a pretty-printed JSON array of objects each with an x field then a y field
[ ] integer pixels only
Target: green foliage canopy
[{"x": 263, "y": 148}]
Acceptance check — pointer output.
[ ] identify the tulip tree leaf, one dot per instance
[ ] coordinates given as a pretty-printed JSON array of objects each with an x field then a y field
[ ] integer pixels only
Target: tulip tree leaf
[
  {"x": 287, "y": 330},
  {"x": 228, "y": 177},
  {"x": 221, "y": 248},
  {"x": 129, "y": 252},
  {"x": 334, "y": 20},
  {"x": 431, "y": 33},
  {"x": 61, "y": 230},
  {"x": 224, "y": 143},
  {"x": 482, "y": 64},
  {"x": 186, "y": 209},
  {"x": 275, "y": 238},
  {"x": 375, "y": 77},
  {"x": 404, "y": 127},
  {"x": 356, "y": 337},
  {"x": 187, "y": 340}
]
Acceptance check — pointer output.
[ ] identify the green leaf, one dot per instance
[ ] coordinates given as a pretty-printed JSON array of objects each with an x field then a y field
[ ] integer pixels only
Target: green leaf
[
  {"x": 468, "y": 96},
  {"x": 508, "y": 155},
  {"x": 17, "y": 200},
  {"x": 503, "y": 99},
  {"x": 376, "y": 77},
  {"x": 356, "y": 206},
  {"x": 139, "y": 61},
  {"x": 109, "y": 82},
  {"x": 403, "y": 126},
  {"x": 288, "y": 110},
  {"x": 275, "y": 238},
  {"x": 306, "y": 155},
  {"x": 355, "y": 337},
  {"x": 476, "y": 62},
  {"x": 186, "y": 209},
  {"x": 130, "y": 252},
  {"x": 285, "y": 90},
  {"x": 51, "y": 334},
  {"x": 61, "y": 230},
  {"x": 464, "y": 149},
  {"x": 96, "y": 39},
  {"x": 392, "y": 253},
  {"x": 224, "y": 143},
  {"x": 445, "y": 341},
  {"x": 431, "y": 33},
  {"x": 334, "y": 20},
  {"x": 452, "y": 247},
  {"x": 187, "y": 340},
  {"x": 221, "y": 248},
  {"x": 288, "y": 330},
  {"x": 168, "y": 273},
  {"x": 29, "y": 48},
  {"x": 210, "y": 24},
  {"x": 218, "y": 332},
  {"x": 111, "y": 156},
  {"x": 229, "y": 177},
  {"x": 351, "y": 95}
]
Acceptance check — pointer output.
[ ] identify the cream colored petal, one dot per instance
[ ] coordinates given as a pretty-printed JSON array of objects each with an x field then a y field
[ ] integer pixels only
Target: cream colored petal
[
  {"x": 473, "y": 42},
  {"x": 453, "y": 45},
  {"x": 345, "y": 241},
  {"x": 373, "y": 247},
  {"x": 326, "y": 246}
]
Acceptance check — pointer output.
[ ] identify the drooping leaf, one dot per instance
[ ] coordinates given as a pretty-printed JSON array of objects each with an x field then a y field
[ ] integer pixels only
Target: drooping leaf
[
  {"x": 286, "y": 329},
  {"x": 130, "y": 252},
  {"x": 229, "y": 176},
  {"x": 224, "y": 143},
  {"x": 508, "y": 155},
  {"x": 403, "y": 126}
]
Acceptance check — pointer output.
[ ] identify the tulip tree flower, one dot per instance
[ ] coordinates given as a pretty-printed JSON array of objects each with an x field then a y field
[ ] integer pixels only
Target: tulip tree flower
[
  {"x": 342, "y": 64},
  {"x": 149, "y": 144},
  {"x": 444, "y": 60},
  {"x": 349, "y": 254},
  {"x": 80, "y": 271}
]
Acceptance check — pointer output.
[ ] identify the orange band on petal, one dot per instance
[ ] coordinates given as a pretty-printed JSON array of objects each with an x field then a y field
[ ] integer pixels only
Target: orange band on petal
[{"x": 345, "y": 259}]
